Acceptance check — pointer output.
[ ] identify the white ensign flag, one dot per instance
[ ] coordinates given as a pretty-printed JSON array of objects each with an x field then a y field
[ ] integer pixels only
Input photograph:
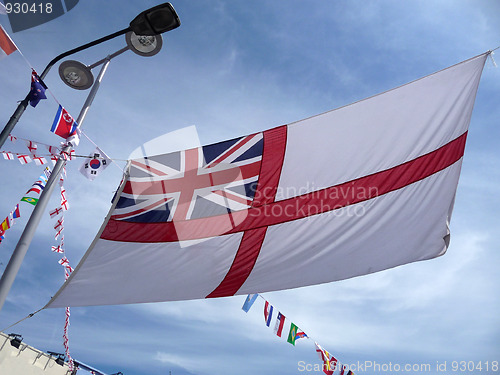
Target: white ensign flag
[{"x": 356, "y": 190}]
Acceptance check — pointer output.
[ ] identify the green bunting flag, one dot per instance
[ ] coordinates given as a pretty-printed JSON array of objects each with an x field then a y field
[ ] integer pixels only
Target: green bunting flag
[
  {"x": 293, "y": 334},
  {"x": 30, "y": 200}
]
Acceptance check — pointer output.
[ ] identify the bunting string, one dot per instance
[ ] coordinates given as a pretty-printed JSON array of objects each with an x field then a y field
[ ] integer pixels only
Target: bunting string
[
  {"x": 58, "y": 214},
  {"x": 331, "y": 365},
  {"x": 104, "y": 155},
  {"x": 9, "y": 155},
  {"x": 30, "y": 197},
  {"x": 34, "y": 153},
  {"x": 54, "y": 152},
  {"x": 38, "y": 87}
]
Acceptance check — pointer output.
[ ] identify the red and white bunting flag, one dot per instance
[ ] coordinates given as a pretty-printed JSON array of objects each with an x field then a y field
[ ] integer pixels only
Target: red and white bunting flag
[
  {"x": 32, "y": 146},
  {"x": 64, "y": 261},
  {"x": 8, "y": 155},
  {"x": 59, "y": 224},
  {"x": 53, "y": 150},
  {"x": 58, "y": 249},
  {"x": 12, "y": 138},
  {"x": 64, "y": 201},
  {"x": 66, "y": 340},
  {"x": 68, "y": 155},
  {"x": 55, "y": 212},
  {"x": 59, "y": 233},
  {"x": 39, "y": 160},
  {"x": 369, "y": 186},
  {"x": 61, "y": 177},
  {"x": 24, "y": 159},
  {"x": 65, "y": 205}
]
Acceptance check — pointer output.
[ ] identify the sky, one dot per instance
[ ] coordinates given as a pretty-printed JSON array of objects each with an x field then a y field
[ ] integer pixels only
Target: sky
[{"x": 233, "y": 68}]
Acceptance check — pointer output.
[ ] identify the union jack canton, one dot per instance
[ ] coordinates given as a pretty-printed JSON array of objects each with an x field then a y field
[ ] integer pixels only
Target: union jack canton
[{"x": 201, "y": 182}]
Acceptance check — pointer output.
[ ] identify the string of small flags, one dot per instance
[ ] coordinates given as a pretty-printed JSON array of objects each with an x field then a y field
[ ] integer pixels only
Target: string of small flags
[
  {"x": 34, "y": 153},
  {"x": 9, "y": 221},
  {"x": 58, "y": 214},
  {"x": 31, "y": 197},
  {"x": 91, "y": 167},
  {"x": 66, "y": 127},
  {"x": 330, "y": 366}
]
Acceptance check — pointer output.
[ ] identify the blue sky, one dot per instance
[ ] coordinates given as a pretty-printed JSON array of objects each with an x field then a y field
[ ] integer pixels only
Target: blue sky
[{"x": 233, "y": 68}]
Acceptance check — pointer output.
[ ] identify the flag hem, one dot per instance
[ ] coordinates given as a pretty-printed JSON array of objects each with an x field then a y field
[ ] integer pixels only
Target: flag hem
[{"x": 485, "y": 54}]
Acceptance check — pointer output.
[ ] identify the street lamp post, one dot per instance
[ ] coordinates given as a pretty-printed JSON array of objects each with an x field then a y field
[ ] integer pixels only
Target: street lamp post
[
  {"x": 153, "y": 21},
  {"x": 78, "y": 76},
  {"x": 24, "y": 242}
]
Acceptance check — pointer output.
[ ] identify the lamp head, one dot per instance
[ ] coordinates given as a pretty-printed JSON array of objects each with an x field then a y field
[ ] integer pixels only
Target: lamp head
[
  {"x": 76, "y": 75},
  {"x": 144, "y": 45},
  {"x": 156, "y": 20}
]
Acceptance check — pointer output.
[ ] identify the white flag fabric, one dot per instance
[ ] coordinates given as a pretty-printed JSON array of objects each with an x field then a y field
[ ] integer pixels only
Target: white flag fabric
[
  {"x": 94, "y": 164},
  {"x": 356, "y": 190}
]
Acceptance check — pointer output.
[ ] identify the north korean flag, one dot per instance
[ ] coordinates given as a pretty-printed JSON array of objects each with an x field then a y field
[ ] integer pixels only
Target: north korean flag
[{"x": 64, "y": 125}]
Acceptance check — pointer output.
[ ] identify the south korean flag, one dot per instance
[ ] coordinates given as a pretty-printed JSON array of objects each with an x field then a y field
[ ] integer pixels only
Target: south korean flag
[{"x": 94, "y": 164}]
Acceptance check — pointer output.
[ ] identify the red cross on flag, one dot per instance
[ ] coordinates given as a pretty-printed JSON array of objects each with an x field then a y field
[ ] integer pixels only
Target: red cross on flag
[
  {"x": 59, "y": 224},
  {"x": 58, "y": 249},
  {"x": 356, "y": 190},
  {"x": 24, "y": 159},
  {"x": 8, "y": 155},
  {"x": 32, "y": 146},
  {"x": 55, "y": 212},
  {"x": 58, "y": 233},
  {"x": 39, "y": 160}
]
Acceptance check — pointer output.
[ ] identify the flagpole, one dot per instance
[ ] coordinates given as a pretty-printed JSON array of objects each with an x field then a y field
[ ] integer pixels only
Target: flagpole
[{"x": 21, "y": 249}]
